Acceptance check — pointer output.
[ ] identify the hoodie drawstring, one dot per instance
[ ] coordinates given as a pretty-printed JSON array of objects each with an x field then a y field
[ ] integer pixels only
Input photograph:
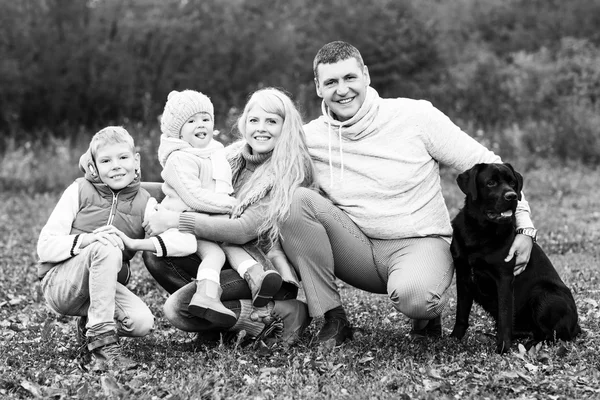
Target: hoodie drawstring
[{"x": 341, "y": 155}]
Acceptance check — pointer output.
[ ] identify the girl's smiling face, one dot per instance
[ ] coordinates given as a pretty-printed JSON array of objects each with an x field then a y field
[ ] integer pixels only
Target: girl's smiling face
[{"x": 263, "y": 130}]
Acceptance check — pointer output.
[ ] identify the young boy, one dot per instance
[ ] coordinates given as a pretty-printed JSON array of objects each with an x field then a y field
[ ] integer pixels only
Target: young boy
[{"x": 84, "y": 267}]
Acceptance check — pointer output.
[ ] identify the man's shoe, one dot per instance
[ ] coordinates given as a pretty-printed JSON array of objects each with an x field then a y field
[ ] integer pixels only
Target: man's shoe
[
  {"x": 106, "y": 354},
  {"x": 427, "y": 328},
  {"x": 263, "y": 284},
  {"x": 334, "y": 328}
]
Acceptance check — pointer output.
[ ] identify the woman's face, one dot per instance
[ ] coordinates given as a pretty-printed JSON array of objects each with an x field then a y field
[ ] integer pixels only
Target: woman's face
[{"x": 263, "y": 130}]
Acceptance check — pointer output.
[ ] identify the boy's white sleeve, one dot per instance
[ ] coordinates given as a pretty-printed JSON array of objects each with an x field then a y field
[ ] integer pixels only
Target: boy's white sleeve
[
  {"x": 56, "y": 243},
  {"x": 171, "y": 243}
]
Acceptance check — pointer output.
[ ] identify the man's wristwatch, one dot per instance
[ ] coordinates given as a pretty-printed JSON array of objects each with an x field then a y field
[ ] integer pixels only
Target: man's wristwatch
[{"x": 531, "y": 232}]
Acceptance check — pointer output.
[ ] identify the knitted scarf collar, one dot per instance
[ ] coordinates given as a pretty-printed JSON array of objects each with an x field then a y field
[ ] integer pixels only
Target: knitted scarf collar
[
  {"x": 241, "y": 158},
  {"x": 362, "y": 124},
  {"x": 213, "y": 152}
]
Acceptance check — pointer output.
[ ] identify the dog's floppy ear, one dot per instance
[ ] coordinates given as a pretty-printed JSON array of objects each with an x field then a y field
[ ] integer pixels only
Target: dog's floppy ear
[
  {"x": 467, "y": 181},
  {"x": 519, "y": 179}
]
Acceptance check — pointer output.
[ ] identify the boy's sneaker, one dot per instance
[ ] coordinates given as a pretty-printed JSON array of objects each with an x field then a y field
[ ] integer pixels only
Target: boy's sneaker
[
  {"x": 83, "y": 354},
  {"x": 263, "y": 284},
  {"x": 106, "y": 354}
]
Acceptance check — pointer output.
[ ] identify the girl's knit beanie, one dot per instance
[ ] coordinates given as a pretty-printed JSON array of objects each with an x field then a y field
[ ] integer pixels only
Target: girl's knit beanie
[{"x": 179, "y": 107}]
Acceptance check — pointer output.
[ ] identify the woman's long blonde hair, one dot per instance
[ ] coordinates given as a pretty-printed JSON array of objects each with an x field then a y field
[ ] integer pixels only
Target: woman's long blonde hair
[{"x": 290, "y": 165}]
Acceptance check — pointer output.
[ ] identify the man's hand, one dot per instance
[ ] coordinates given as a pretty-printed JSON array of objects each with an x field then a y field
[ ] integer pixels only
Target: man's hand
[
  {"x": 160, "y": 221},
  {"x": 521, "y": 247}
]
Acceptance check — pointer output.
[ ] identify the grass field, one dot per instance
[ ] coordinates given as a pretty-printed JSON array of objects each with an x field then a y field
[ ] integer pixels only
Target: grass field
[{"x": 37, "y": 348}]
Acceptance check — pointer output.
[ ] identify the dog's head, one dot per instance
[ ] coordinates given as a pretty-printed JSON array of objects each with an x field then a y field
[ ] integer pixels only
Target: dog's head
[{"x": 493, "y": 189}]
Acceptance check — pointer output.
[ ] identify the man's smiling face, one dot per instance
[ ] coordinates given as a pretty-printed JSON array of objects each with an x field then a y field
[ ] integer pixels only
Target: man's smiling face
[{"x": 343, "y": 87}]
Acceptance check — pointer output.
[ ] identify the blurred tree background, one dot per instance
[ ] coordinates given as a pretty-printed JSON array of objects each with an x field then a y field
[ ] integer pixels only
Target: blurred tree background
[{"x": 523, "y": 76}]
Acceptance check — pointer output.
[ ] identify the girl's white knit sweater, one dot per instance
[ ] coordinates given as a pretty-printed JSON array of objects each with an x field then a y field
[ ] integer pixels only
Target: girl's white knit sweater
[{"x": 381, "y": 166}]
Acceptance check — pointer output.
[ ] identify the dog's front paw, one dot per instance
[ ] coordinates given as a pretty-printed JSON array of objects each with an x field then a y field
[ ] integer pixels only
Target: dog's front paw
[
  {"x": 502, "y": 345},
  {"x": 459, "y": 331}
]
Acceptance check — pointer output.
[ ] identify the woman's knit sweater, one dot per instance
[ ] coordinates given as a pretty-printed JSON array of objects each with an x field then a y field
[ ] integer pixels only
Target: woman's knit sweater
[
  {"x": 381, "y": 166},
  {"x": 244, "y": 229},
  {"x": 238, "y": 230}
]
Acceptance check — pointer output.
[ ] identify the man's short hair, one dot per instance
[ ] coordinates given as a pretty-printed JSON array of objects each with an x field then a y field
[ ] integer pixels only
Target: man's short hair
[{"x": 336, "y": 51}]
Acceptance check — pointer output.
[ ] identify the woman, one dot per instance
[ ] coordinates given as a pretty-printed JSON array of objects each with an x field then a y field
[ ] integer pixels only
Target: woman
[{"x": 268, "y": 164}]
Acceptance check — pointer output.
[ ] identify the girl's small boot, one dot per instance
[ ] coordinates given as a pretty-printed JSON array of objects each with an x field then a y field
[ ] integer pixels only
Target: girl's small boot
[
  {"x": 263, "y": 284},
  {"x": 206, "y": 303}
]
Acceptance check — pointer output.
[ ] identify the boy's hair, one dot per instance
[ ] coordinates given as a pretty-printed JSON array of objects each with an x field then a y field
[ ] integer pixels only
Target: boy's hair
[
  {"x": 290, "y": 163},
  {"x": 336, "y": 51},
  {"x": 110, "y": 135}
]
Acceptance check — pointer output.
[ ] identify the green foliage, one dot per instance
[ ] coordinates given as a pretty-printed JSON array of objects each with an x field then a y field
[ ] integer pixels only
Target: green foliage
[
  {"x": 501, "y": 66},
  {"x": 38, "y": 348},
  {"x": 50, "y": 163}
]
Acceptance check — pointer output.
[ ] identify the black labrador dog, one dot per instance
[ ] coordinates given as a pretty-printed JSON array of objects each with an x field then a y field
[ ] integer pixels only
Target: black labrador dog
[{"x": 535, "y": 303}]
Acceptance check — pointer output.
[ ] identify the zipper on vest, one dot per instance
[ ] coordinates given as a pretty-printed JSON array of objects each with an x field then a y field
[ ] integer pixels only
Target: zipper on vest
[{"x": 113, "y": 209}]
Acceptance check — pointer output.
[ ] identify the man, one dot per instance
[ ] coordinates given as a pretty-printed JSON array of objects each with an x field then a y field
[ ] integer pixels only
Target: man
[{"x": 383, "y": 225}]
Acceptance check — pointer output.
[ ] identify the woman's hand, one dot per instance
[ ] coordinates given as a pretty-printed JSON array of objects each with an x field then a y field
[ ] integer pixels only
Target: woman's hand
[
  {"x": 160, "y": 221},
  {"x": 521, "y": 247}
]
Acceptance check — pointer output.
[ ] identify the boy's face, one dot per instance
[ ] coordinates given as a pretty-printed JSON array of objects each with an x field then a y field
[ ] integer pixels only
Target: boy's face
[
  {"x": 198, "y": 130},
  {"x": 116, "y": 164},
  {"x": 343, "y": 86}
]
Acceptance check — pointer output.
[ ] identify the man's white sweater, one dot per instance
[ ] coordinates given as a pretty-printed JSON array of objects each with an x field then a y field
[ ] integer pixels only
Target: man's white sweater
[{"x": 381, "y": 166}]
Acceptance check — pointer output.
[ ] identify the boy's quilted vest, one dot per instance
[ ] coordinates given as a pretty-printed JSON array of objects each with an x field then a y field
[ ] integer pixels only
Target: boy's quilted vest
[{"x": 99, "y": 206}]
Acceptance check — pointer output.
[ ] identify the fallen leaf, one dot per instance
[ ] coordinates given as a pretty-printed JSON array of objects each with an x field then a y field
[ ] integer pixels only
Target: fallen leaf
[
  {"x": 591, "y": 302},
  {"x": 531, "y": 368},
  {"x": 83, "y": 391},
  {"x": 507, "y": 375},
  {"x": 562, "y": 351},
  {"x": 248, "y": 380},
  {"x": 110, "y": 385},
  {"x": 434, "y": 374},
  {"x": 31, "y": 388}
]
